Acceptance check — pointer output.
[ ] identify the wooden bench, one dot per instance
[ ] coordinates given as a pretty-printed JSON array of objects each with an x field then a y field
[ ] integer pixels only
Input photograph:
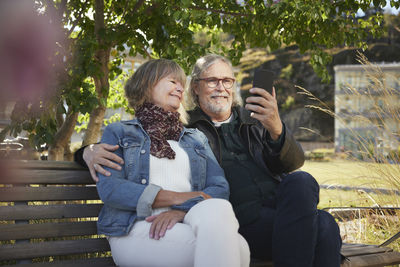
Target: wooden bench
[{"x": 48, "y": 213}]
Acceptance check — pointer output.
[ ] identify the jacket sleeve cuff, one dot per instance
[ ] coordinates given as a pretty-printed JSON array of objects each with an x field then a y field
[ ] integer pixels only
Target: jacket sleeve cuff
[
  {"x": 188, "y": 204},
  {"x": 277, "y": 145},
  {"x": 143, "y": 208},
  {"x": 78, "y": 157}
]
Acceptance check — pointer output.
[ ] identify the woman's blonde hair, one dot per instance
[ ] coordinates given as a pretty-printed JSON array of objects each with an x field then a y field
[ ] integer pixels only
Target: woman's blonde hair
[
  {"x": 201, "y": 65},
  {"x": 139, "y": 86}
]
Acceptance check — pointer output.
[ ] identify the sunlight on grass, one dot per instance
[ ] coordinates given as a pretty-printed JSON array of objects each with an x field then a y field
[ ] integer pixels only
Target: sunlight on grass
[
  {"x": 349, "y": 173},
  {"x": 355, "y": 198}
]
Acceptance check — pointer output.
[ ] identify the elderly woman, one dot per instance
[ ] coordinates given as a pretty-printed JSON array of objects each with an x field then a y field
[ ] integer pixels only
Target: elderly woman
[{"x": 166, "y": 206}]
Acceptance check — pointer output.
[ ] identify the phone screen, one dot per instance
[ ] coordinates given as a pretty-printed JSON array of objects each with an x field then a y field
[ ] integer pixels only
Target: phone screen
[{"x": 263, "y": 79}]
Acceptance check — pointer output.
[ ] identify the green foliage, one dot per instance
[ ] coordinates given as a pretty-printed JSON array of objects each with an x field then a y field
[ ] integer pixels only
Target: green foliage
[
  {"x": 169, "y": 29},
  {"x": 115, "y": 100},
  {"x": 287, "y": 72},
  {"x": 288, "y": 103},
  {"x": 83, "y": 120},
  {"x": 116, "y": 97}
]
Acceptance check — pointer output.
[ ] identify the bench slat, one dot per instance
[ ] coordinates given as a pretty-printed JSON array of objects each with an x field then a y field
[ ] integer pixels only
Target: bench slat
[
  {"x": 357, "y": 253},
  {"x": 373, "y": 260},
  {"x": 42, "y": 164},
  {"x": 92, "y": 262},
  {"x": 349, "y": 250},
  {"x": 44, "y": 230},
  {"x": 353, "y": 245},
  {"x": 47, "y": 193},
  {"x": 52, "y": 248},
  {"x": 28, "y": 176},
  {"x": 49, "y": 211}
]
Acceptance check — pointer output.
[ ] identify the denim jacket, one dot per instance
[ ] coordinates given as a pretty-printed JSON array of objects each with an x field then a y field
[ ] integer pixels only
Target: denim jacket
[{"x": 127, "y": 194}]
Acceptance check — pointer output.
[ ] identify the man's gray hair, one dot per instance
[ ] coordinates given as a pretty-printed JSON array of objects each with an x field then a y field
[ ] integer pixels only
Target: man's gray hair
[{"x": 201, "y": 65}]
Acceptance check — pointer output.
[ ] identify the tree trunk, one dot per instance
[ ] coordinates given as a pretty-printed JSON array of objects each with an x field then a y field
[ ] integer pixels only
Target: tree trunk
[
  {"x": 65, "y": 126},
  {"x": 62, "y": 137},
  {"x": 93, "y": 130},
  {"x": 101, "y": 80},
  {"x": 68, "y": 155}
]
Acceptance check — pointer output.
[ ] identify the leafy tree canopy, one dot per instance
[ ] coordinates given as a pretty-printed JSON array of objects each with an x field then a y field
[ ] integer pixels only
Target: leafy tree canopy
[{"x": 99, "y": 34}]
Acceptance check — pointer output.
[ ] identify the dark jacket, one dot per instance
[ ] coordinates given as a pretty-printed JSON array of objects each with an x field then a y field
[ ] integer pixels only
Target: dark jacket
[{"x": 254, "y": 136}]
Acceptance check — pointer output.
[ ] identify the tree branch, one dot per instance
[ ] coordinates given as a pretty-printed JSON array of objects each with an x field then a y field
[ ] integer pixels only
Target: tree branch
[
  {"x": 52, "y": 10},
  {"x": 75, "y": 22},
  {"x": 134, "y": 9},
  {"x": 123, "y": 14},
  {"x": 63, "y": 136},
  {"x": 218, "y": 11},
  {"x": 99, "y": 23},
  {"x": 65, "y": 131},
  {"x": 138, "y": 5},
  {"x": 147, "y": 53},
  {"x": 63, "y": 8}
]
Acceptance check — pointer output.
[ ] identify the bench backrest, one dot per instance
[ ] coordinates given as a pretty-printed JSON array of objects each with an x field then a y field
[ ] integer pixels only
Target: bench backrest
[{"x": 48, "y": 213}]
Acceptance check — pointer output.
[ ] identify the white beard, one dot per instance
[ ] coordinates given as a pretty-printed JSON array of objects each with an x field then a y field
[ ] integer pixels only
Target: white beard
[{"x": 216, "y": 109}]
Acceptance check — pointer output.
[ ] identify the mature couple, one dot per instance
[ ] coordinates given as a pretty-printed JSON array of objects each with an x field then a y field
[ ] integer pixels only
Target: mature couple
[{"x": 165, "y": 193}]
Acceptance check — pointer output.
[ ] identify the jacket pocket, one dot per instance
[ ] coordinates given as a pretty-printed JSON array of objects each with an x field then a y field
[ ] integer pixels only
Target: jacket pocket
[
  {"x": 114, "y": 222},
  {"x": 131, "y": 151},
  {"x": 111, "y": 217}
]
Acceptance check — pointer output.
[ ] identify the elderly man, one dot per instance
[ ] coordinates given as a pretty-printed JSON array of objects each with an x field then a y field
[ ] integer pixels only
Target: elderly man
[{"x": 276, "y": 209}]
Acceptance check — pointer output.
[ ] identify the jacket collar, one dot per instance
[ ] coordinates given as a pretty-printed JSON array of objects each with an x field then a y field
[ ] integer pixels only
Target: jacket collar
[
  {"x": 197, "y": 115},
  {"x": 131, "y": 122},
  {"x": 135, "y": 121}
]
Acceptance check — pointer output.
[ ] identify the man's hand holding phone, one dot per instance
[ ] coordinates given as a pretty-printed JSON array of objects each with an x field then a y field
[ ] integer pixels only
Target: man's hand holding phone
[{"x": 263, "y": 104}]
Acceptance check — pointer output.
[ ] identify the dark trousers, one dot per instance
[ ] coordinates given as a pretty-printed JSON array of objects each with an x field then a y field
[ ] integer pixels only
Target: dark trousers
[{"x": 291, "y": 231}]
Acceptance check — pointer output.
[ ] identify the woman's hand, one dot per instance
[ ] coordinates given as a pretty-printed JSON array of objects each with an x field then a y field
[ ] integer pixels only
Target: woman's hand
[
  {"x": 206, "y": 196},
  {"x": 188, "y": 195},
  {"x": 164, "y": 221},
  {"x": 166, "y": 198}
]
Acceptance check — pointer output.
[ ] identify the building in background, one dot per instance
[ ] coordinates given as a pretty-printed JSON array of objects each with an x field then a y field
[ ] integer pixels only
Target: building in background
[{"x": 367, "y": 109}]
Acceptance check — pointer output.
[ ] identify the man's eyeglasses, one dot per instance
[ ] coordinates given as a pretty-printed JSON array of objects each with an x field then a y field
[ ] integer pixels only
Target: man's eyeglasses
[{"x": 213, "y": 82}]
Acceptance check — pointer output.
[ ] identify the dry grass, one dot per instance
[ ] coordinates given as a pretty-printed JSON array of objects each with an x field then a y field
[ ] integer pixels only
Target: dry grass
[{"x": 370, "y": 167}]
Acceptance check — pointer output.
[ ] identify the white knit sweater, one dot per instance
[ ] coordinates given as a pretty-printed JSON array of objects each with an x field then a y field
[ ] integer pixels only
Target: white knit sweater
[{"x": 171, "y": 174}]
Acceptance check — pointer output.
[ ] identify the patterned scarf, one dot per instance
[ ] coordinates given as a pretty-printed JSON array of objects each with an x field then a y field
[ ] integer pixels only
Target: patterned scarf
[{"x": 161, "y": 126}]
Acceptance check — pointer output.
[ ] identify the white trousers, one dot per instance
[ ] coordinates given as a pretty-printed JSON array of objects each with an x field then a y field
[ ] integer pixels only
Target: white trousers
[{"x": 208, "y": 237}]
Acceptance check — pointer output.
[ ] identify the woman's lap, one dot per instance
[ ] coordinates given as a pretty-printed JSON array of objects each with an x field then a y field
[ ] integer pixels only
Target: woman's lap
[
  {"x": 208, "y": 237},
  {"x": 137, "y": 249}
]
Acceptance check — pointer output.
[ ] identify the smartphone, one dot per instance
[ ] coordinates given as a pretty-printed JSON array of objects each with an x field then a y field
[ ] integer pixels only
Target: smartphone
[{"x": 264, "y": 79}]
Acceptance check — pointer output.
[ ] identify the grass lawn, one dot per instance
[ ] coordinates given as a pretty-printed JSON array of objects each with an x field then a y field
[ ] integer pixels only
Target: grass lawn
[
  {"x": 353, "y": 173},
  {"x": 357, "y": 174}
]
